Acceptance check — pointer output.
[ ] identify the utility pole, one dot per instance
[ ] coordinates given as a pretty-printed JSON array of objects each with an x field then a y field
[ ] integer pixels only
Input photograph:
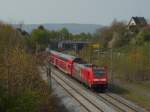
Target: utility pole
[
  {"x": 49, "y": 75},
  {"x": 111, "y": 72},
  {"x": 99, "y": 51}
]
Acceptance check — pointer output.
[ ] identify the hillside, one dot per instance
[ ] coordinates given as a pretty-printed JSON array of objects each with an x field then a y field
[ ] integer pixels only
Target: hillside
[{"x": 73, "y": 28}]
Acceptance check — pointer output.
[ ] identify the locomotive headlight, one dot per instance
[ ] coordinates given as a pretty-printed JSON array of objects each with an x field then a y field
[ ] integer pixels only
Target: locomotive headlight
[
  {"x": 96, "y": 80},
  {"x": 103, "y": 79}
]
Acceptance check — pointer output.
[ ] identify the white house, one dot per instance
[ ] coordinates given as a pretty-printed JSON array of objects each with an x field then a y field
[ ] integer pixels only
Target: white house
[{"x": 137, "y": 21}]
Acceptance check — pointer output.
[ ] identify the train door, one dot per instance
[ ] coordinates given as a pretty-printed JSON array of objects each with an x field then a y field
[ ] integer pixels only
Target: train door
[{"x": 69, "y": 69}]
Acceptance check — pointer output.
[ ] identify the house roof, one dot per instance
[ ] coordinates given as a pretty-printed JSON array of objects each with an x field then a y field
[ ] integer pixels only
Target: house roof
[
  {"x": 140, "y": 20},
  {"x": 147, "y": 26}
]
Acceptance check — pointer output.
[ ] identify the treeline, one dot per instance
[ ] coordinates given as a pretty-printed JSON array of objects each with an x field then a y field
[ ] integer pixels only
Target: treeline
[
  {"x": 39, "y": 38},
  {"x": 124, "y": 50},
  {"x": 21, "y": 87}
]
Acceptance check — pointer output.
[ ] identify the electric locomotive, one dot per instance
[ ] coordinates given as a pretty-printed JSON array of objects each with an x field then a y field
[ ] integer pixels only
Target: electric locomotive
[{"x": 91, "y": 75}]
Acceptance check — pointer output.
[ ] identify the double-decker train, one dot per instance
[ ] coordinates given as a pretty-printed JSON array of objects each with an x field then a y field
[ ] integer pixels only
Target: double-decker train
[{"x": 89, "y": 74}]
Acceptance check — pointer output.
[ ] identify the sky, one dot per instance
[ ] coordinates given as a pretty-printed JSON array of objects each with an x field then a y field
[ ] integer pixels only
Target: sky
[{"x": 72, "y": 11}]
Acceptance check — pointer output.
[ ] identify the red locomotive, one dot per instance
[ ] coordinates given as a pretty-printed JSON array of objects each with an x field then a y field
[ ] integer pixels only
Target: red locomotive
[{"x": 91, "y": 75}]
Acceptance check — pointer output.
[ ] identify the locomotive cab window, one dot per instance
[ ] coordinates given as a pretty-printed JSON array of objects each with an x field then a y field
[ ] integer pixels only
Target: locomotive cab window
[{"x": 98, "y": 72}]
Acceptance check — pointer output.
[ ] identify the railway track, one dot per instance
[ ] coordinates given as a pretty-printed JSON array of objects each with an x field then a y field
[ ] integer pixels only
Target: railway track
[
  {"x": 71, "y": 93},
  {"x": 114, "y": 103},
  {"x": 87, "y": 100},
  {"x": 93, "y": 102},
  {"x": 126, "y": 102}
]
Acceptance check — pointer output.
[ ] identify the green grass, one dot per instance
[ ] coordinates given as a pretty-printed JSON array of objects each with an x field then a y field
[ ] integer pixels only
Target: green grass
[
  {"x": 139, "y": 93},
  {"x": 145, "y": 86},
  {"x": 138, "y": 99}
]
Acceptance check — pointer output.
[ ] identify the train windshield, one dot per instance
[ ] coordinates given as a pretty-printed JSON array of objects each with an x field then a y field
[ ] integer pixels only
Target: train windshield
[{"x": 99, "y": 72}]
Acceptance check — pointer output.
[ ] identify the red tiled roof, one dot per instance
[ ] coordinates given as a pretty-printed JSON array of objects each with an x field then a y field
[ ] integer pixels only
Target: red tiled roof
[{"x": 147, "y": 26}]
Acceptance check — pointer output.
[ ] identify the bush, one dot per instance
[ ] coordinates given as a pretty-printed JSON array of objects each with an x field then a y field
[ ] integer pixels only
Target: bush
[
  {"x": 21, "y": 87},
  {"x": 134, "y": 65}
]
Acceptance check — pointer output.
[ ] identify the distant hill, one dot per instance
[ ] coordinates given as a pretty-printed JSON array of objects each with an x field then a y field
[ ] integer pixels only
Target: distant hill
[{"x": 73, "y": 28}]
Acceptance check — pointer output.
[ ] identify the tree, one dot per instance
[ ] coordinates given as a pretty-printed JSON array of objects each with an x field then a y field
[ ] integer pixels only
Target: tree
[
  {"x": 40, "y": 38},
  {"x": 41, "y": 27},
  {"x": 143, "y": 37},
  {"x": 64, "y": 34},
  {"x": 21, "y": 87},
  {"x": 114, "y": 33}
]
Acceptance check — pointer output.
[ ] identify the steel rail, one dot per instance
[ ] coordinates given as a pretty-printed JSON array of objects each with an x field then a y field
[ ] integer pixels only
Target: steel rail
[
  {"x": 136, "y": 109},
  {"x": 76, "y": 92},
  {"x": 71, "y": 95}
]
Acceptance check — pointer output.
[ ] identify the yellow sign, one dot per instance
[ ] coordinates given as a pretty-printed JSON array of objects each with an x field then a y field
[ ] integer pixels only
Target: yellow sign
[{"x": 96, "y": 46}]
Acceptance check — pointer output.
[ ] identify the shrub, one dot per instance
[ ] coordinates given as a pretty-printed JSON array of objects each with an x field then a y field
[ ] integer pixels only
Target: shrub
[{"x": 21, "y": 87}]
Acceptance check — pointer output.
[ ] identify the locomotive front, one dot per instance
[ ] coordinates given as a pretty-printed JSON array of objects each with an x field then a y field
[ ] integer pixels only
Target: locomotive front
[{"x": 100, "y": 79}]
